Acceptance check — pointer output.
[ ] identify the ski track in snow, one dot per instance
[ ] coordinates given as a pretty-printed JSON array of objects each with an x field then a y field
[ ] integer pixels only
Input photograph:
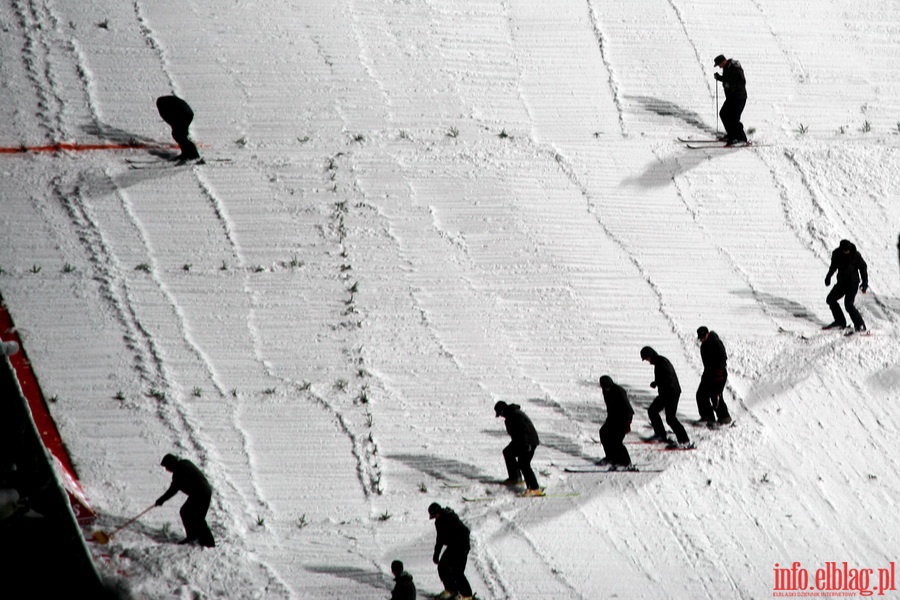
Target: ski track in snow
[{"x": 423, "y": 214}]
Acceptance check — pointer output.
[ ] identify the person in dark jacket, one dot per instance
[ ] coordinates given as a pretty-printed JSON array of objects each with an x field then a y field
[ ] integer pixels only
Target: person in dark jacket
[
  {"x": 178, "y": 115},
  {"x": 666, "y": 382},
  {"x": 452, "y": 533},
  {"x": 520, "y": 451},
  {"x": 404, "y": 588},
  {"x": 852, "y": 274},
  {"x": 735, "y": 86},
  {"x": 710, "y": 401},
  {"x": 187, "y": 478},
  {"x": 619, "y": 415}
]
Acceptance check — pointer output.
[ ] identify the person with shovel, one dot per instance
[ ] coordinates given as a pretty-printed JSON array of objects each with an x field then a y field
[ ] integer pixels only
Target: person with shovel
[{"x": 187, "y": 478}]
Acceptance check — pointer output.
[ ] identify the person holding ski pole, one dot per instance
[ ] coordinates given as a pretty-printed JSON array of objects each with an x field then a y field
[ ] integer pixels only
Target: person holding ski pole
[
  {"x": 520, "y": 451},
  {"x": 852, "y": 274},
  {"x": 666, "y": 381},
  {"x": 187, "y": 478},
  {"x": 452, "y": 533},
  {"x": 710, "y": 401},
  {"x": 619, "y": 415},
  {"x": 735, "y": 85}
]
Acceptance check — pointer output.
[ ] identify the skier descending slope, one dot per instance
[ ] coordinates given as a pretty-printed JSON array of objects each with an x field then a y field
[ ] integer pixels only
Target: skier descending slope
[
  {"x": 520, "y": 451},
  {"x": 666, "y": 381},
  {"x": 618, "y": 423},
  {"x": 735, "y": 86},
  {"x": 710, "y": 402},
  {"x": 178, "y": 115},
  {"x": 850, "y": 268},
  {"x": 452, "y": 533}
]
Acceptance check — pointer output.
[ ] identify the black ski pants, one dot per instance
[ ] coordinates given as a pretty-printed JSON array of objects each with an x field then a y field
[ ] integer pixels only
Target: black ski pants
[
  {"x": 710, "y": 401},
  {"x": 518, "y": 462},
  {"x": 669, "y": 403},
  {"x": 451, "y": 570},
  {"x": 612, "y": 436},
  {"x": 731, "y": 119},
  {"x": 847, "y": 291},
  {"x": 193, "y": 516},
  {"x": 178, "y": 115}
]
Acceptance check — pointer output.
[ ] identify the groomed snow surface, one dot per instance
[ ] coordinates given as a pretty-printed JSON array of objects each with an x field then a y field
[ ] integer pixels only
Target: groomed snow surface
[{"x": 412, "y": 209}]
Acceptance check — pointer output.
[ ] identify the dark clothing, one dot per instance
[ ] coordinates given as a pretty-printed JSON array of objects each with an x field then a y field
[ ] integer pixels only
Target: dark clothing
[
  {"x": 452, "y": 533},
  {"x": 520, "y": 451},
  {"x": 851, "y": 269},
  {"x": 619, "y": 415},
  {"x": 518, "y": 464},
  {"x": 666, "y": 379},
  {"x": 669, "y": 393},
  {"x": 733, "y": 81},
  {"x": 668, "y": 402},
  {"x": 187, "y": 478},
  {"x": 178, "y": 115},
  {"x": 404, "y": 588},
  {"x": 735, "y": 86},
  {"x": 519, "y": 426},
  {"x": 710, "y": 402}
]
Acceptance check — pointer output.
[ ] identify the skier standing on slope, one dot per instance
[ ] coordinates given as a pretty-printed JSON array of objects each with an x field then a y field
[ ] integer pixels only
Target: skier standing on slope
[
  {"x": 178, "y": 115},
  {"x": 520, "y": 451},
  {"x": 187, "y": 478},
  {"x": 666, "y": 381},
  {"x": 735, "y": 85},
  {"x": 404, "y": 588},
  {"x": 618, "y": 423},
  {"x": 710, "y": 401},
  {"x": 850, "y": 268},
  {"x": 452, "y": 533}
]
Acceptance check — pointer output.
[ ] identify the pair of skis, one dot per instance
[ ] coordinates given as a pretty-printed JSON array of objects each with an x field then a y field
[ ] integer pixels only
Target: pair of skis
[{"x": 710, "y": 144}]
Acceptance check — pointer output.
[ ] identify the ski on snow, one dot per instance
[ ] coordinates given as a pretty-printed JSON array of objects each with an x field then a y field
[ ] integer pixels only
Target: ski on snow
[
  {"x": 545, "y": 495},
  {"x": 719, "y": 146},
  {"x": 598, "y": 469}
]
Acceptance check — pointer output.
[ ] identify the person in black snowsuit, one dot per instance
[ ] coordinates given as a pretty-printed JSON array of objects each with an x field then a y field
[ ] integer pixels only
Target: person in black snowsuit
[
  {"x": 520, "y": 451},
  {"x": 187, "y": 478},
  {"x": 851, "y": 270},
  {"x": 735, "y": 86},
  {"x": 452, "y": 533},
  {"x": 178, "y": 115},
  {"x": 619, "y": 415},
  {"x": 710, "y": 401},
  {"x": 404, "y": 588},
  {"x": 666, "y": 382}
]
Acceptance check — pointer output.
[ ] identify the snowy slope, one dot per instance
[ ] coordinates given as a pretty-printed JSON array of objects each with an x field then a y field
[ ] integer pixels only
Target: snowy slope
[{"x": 425, "y": 206}]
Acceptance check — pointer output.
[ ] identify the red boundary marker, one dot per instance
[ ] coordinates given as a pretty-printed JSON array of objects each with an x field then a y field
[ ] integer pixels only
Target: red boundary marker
[
  {"x": 69, "y": 147},
  {"x": 44, "y": 423}
]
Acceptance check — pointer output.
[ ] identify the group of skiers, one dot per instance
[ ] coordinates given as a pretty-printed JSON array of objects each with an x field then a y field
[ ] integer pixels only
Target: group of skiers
[{"x": 452, "y": 543}]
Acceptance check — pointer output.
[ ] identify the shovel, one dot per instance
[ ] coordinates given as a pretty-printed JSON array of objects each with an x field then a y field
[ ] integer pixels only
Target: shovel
[{"x": 101, "y": 537}]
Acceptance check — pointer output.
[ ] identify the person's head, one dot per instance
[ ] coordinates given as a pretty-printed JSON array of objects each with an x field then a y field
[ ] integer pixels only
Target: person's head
[
  {"x": 846, "y": 246},
  {"x": 648, "y": 354},
  {"x": 702, "y": 332},
  {"x": 500, "y": 409},
  {"x": 434, "y": 510},
  {"x": 396, "y": 567},
  {"x": 169, "y": 461},
  {"x": 606, "y": 382},
  {"x": 720, "y": 61}
]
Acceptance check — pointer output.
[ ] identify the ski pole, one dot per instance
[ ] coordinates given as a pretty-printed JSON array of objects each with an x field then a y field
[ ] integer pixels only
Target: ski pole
[{"x": 716, "y": 116}]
